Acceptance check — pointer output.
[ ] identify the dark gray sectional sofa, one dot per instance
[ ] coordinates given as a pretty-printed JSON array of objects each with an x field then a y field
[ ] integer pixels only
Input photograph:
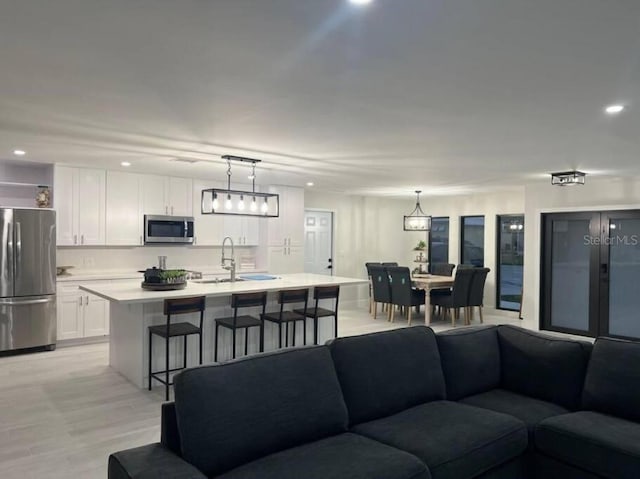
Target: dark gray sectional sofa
[{"x": 490, "y": 402}]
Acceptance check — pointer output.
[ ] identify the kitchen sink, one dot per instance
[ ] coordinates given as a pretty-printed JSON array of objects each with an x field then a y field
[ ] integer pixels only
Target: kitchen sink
[{"x": 216, "y": 281}]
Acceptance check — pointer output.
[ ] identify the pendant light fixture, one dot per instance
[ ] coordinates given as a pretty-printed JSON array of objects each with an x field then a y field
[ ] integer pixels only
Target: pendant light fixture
[
  {"x": 217, "y": 201},
  {"x": 417, "y": 220},
  {"x": 568, "y": 178}
]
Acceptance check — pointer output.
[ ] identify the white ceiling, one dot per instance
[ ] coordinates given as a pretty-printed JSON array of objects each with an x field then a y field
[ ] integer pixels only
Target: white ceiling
[{"x": 447, "y": 95}]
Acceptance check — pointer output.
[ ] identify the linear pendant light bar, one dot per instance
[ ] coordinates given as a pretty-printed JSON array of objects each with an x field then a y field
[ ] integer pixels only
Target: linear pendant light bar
[{"x": 218, "y": 201}]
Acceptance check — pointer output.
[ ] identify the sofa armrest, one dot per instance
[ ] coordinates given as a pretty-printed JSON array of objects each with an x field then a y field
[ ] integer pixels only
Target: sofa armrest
[{"x": 153, "y": 461}]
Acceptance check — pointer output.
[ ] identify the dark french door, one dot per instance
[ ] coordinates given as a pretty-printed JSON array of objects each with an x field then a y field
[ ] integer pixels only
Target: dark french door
[{"x": 591, "y": 273}]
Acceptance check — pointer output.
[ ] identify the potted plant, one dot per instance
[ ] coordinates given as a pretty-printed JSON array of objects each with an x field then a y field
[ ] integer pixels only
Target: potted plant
[{"x": 421, "y": 246}]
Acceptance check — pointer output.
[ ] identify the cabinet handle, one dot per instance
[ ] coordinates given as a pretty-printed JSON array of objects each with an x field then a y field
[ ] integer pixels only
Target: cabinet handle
[
  {"x": 166, "y": 210},
  {"x": 86, "y": 301},
  {"x": 75, "y": 239},
  {"x": 172, "y": 211},
  {"x": 140, "y": 239},
  {"x": 80, "y": 300},
  {"x": 81, "y": 239}
]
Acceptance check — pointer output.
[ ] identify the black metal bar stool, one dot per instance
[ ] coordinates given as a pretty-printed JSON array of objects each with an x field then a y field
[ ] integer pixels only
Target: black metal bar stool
[
  {"x": 286, "y": 317},
  {"x": 235, "y": 322},
  {"x": 168, "y": 331},
  {"x": 322, "y": 292}
]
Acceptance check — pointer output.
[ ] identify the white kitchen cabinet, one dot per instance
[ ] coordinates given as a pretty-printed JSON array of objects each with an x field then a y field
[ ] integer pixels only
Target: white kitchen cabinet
[
  {"x": 79, "y": 199},
  {"x": 244, "y": 230},
  {"x": 163, "y": 195},
  {"x": 64, "y": 199},
  {"x": 124, "y": 209},
  {"x": 69, "y": 317},
  {"x": 80, "y": 314},
  {"x": 152, "y": 195},
  {"x": 209, "y": 229},
  {"x": 288, "y": 229},
  {"x": 178, "y": 194},
  {"x": 96, "y": 316},
  {"x": 285, "y": 259}
]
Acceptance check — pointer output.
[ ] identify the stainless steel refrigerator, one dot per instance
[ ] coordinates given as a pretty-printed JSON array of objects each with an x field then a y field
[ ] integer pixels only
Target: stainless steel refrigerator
[{"x": 27, "y": 279}]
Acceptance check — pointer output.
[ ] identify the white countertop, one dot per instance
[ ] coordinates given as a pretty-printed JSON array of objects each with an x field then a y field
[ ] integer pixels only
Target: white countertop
[{"x": 131, "y": 292}]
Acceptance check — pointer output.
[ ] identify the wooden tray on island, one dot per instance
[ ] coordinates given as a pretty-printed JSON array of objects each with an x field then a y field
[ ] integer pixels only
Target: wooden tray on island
[{"x": 163, "y": 286}]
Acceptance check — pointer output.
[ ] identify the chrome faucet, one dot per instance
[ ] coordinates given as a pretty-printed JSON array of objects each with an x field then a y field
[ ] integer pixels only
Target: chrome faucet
[{"x": 232, "y": 260}]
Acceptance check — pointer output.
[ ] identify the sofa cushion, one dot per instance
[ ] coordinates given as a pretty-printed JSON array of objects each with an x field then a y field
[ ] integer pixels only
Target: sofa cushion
[
  {"x": 612, "y": 385},
  {"x": 346, "y": 456},
  {"x": 233, "y": 413},
  {"x": 605, "y": 445},
  {"x": 385, "y": 373},
  {"x": 529, "y": 410},
  {"x": 470, "y": 360},
  {"x": 454, "y": 440},
  {"x": 542, "y": 366}
]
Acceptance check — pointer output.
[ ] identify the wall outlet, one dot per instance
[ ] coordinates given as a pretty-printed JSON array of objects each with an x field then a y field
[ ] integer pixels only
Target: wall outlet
[{"x": 89, "y": 262}]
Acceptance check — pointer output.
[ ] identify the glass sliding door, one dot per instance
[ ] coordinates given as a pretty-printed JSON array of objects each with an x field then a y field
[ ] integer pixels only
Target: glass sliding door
[
  {"x": 590, "y": 270},
  {"x": 472, "y": 240},
  {"x": 620, "y": 273},
  {"x": 439, "y": 240},
  {"x": 510, "y": 259}
]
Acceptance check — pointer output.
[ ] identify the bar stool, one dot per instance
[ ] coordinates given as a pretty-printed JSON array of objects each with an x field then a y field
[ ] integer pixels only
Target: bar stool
[
  {"x": 286, "y": 317},
  {"x": 322, "y": 292},
  {"x": 235, "y": 322},
  {"x": 168, "y": 331}
]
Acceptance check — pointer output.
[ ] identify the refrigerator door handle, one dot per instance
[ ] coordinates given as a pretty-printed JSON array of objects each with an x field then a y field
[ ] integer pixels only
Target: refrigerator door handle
[
  {"x": 18, "y": 249},
  {"x": 25, "y": 302}
]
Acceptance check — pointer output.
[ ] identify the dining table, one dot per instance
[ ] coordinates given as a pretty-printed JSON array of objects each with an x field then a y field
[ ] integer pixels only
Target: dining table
[{"x": 429, "y": 282}]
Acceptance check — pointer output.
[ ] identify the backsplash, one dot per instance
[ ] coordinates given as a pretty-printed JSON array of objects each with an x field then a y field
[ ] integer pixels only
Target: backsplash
[{"x": 135, "y": 258}]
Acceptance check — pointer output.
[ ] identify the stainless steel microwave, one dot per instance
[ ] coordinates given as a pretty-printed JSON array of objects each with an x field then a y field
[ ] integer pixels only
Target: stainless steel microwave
[{"x": 168, "y": 229}]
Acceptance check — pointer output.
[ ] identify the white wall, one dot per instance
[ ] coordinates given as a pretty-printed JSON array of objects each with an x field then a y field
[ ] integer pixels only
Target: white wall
[
  {"x": 487, "y": 205},
  {"x": 138, "y": 258},
  {"x": 366, "y": 229},
  {"x": 596, "y": 194}
]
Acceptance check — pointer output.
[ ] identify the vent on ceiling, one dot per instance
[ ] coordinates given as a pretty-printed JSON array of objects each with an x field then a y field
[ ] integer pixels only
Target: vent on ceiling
[{"x": 191, "y": 161}]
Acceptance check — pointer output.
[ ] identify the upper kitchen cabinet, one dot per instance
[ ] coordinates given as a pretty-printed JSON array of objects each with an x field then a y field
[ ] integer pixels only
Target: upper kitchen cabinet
[
  {"x": 209, "y": 229},
  {"x": 288, "y": 229},
  {"x": 79, "y": 199},
  {"x": 167, "y": 196},
  {"x": 124, "y": 209}
]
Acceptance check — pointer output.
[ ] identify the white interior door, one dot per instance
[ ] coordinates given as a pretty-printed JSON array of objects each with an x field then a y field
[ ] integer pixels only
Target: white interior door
[{"x": 318, "y": 243}]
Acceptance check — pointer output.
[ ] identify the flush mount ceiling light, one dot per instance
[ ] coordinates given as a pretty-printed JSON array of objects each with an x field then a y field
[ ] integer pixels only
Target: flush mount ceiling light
[
  {"x": 125, "y": 163},
  {"x": 19, "y": 152},
  {"x": 417, "y": 220},
  {"x": 614, "y": 109},
  {"x": 360, "y": 2},
  {"x": 216, "y": 201},
  {"x": 568, "y": 178},
  {"x": 310, "y": 183}
]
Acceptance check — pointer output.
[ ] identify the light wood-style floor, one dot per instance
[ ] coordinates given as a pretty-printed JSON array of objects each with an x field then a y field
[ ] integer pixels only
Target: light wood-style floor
[{"x": 63, "y": 412}]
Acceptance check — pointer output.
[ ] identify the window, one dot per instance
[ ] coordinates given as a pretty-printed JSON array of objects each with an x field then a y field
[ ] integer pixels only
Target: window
[
  {"x": 510, "y": 259},
  {"x": 439, "y": 240},
  {"x": 472, "y": 240}
]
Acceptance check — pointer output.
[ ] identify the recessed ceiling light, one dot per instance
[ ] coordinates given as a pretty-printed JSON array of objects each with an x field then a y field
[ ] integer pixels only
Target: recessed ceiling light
[
  {"x": 125, "y": 163},
  {"x": 360, "y": 2},
  {"x": 614, "y": 109},
  {"x": 19, "y": 152},
  {"x": 310, "y": 183}
]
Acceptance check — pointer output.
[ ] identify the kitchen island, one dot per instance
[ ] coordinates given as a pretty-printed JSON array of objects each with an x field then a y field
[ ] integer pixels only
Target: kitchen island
[{"x": 133, "y": 310}]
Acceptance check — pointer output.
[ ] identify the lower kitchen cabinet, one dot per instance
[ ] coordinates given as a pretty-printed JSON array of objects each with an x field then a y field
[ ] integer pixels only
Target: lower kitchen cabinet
[{"x": 80, "y": 314}]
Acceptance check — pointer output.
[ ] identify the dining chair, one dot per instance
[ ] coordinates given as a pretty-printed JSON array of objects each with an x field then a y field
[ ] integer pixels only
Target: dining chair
[
  {"x": 381, "y": 287},
  {"x": 442, "y": 269},
  {"x": 476, "y": 292},
  {"x": 402, "y": 294},
  {"x": 371, "y": 302},
  {"x": 459, "y": 297}
]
